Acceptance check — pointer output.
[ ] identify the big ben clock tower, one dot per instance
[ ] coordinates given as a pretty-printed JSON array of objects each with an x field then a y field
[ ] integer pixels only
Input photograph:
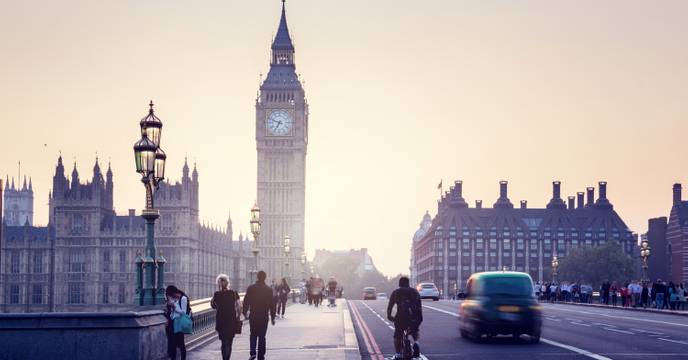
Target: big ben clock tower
[{"x": 281, "y": 141}]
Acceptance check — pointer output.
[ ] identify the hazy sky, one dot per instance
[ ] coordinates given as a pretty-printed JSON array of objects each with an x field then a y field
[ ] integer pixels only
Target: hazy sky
[{"x": 402, "y": 94}]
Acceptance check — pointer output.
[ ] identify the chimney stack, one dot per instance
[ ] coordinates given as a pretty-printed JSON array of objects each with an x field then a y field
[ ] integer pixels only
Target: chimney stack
[
  {"x": 458, "y": 185},
  {"x": 524, "y": 204},
  {"x": 603, "y": 190},
  {"x": 572, "y": 202},
  {"x": 677, "y": 194},
  {"x": 556, "y": 202},
  {"x": 478, "y": 204},
  {"x": 591, "y": 196},
  {"x": 581, "y": 199},
  {"x": 503, "y": 201}
]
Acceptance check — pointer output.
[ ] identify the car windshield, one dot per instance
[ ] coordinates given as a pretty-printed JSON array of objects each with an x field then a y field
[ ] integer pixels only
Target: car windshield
[
  {"x": 507, "y": 286},
  {"x": 428, "y": 286},
  {"x": 369, "y": 290}
]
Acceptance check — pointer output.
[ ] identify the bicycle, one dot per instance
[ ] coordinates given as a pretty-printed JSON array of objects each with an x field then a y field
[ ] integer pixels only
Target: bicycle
[{"x": 409, "y": 348}]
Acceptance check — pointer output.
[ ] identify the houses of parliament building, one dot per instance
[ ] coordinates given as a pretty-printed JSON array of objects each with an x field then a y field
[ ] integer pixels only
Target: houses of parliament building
[{"x": 84, "y": 259}]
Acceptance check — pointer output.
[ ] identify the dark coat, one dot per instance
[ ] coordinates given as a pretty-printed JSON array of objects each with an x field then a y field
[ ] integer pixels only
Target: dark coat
[
  {"x": 225, "y": 319},
  {"x": 259, "y": 301}
]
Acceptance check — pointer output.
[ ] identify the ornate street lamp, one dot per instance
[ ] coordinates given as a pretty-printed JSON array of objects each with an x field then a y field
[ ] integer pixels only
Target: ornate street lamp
[
  {"x": 287, "y": 251},
  {"x": 150, "y": 163},
  {"x": 555, "y": 267},
  {"x": 645, "y": 255},
  {"x": 255, "y": 230}
]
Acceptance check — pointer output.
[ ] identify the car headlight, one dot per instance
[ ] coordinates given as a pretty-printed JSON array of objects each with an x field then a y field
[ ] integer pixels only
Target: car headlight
[{"x": 535, "y": 307}]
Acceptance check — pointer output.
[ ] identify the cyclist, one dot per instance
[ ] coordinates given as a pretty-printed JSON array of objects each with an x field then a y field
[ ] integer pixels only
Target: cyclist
[{"x": 408, "y": 317}]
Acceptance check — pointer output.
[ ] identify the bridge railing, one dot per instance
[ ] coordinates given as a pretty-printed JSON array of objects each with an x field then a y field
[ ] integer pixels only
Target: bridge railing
[{"x": 203, "y": 322}]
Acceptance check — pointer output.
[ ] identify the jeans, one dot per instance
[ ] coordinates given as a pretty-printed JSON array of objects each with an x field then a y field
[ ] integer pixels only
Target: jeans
[
  {"x": 176, "y": 341},
  {"x": 259, "y": 328},
  {"x": 281, "y": 305},
  {"x": 660, "y": 300},
  {"x": 226, "y": 347}
]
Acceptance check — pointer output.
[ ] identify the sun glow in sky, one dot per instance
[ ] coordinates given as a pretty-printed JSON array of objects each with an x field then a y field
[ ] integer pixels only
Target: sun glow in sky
[{"x": 402, "y": 94}]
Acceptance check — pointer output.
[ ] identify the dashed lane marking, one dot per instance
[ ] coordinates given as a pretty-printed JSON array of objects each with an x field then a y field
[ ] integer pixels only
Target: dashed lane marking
[
  {"x": 620, "y": 331},
  {"x": 622, "y": 317},
  {"x": 673, "y": 341}
]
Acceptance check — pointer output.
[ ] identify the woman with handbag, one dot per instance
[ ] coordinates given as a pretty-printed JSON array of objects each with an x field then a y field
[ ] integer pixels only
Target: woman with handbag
[
  {"x": 227, "y": 320},
  {"x": 178, "y": 310}
]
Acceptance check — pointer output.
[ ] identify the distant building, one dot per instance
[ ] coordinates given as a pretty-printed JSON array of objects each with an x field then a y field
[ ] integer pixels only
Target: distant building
[
  {"x": 419, "y": 234},
  {"x": 84, "y": 260},
  {"x": 463, "y": 240},
  {"x": 365, "y": 262},
  {"x": 677, "y": 237},
  {"x": 18, "y": 203},
  {"x": 659, "y": 262}
]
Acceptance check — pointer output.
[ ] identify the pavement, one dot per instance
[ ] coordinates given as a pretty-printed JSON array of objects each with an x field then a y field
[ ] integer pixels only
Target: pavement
[
  {"x": 568, "y": 332},
  {"x": 306, "y": 332}
]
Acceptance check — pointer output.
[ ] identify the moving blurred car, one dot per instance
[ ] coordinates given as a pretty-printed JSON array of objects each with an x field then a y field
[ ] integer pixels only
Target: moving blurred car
[
  {"x": 382, "y": 296},
  {"x": 500, "y": 303},
  {"x": 369, "y": 293},
  {"x": 428, "y": 291}
]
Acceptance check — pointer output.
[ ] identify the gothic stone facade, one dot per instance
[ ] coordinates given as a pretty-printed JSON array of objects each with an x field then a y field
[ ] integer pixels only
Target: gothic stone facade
[
  {"x": 18, "y": 203},
  {"x": 464, "y": 240},
  {"x": 84, "y": 259},
  {"x": 281, "y": 141}
]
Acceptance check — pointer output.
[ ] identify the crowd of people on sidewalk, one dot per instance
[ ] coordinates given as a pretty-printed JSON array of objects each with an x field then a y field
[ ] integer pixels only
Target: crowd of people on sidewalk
[
  {"x": 658, "y": 295},
  {"x": 261, "y": 305}
]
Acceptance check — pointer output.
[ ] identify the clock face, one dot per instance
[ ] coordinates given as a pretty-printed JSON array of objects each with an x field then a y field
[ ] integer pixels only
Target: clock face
[{"x": 279, "y": 122}]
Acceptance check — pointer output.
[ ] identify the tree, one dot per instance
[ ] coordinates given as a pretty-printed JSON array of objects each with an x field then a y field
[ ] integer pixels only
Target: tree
[{"x": 595, "y": 265}]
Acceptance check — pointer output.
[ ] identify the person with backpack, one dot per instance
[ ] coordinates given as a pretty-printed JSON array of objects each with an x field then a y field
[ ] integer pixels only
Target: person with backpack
[
  {"x": 227, "y": 319},
  {"x": 409, "y": 315},
  {"x": 177, "y": 307},
  {"x": 259, "y": 304}
]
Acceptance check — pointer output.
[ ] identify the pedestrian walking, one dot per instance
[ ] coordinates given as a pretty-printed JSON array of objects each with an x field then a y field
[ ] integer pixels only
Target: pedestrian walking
[
  {"x": 614, "y": 292},
  {"x": 673, "y": 296},
  {"x": 260, "y": 306},
  {"x": 681, "y": 297},
  {"x": 645, "y": 296},
  {"x": 283, "y": 291},
  {"x": 227, "y": 319},
  {"x": 605, "y": 289},
  {"x": 659, "y": 296},
  {"x": 177, "y": 306}
]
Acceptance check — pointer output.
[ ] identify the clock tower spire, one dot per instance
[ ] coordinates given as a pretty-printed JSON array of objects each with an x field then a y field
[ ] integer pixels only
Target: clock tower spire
[{"x": 281, "y": 143}]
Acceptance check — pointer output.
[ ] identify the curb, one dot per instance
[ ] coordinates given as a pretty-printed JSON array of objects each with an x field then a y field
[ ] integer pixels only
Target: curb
[
  {"x": 352, "y": 351},
  {"x": 610, "y": 307}
]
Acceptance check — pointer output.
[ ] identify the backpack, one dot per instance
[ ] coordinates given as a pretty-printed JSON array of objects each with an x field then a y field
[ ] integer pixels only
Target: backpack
[{"x": 408, "y": 309}]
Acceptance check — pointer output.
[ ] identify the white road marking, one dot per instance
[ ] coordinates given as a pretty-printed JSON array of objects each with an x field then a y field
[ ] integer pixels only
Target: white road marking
[
  {"x": 621, "y": 317},
  {"x": 579, "y": 323},
  {"x": 620, "y": 331},
  {"x": 442, "y": 311},
  {"x": 674, "y": 341},
  {"x": 575, "y": 349},
  {"x": 647, "y": 332}
]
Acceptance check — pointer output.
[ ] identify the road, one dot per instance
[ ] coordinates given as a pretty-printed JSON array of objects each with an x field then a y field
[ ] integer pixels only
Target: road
[{"x": 568, "y": 332}]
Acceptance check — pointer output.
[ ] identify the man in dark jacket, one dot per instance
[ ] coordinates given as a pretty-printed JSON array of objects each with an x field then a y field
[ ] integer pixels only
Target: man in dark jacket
[
  {"x": 261, "y": 306},
  {"x": 409, "y": 315}
]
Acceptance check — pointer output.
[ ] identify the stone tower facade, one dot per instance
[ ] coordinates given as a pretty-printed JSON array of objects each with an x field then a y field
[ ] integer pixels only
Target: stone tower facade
[
  {"x": 281, "y": 141},
  {"x": 18, "y": 203}
]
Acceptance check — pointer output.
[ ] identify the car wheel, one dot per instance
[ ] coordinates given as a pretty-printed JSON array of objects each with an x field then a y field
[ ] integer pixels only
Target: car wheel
[
  {"x": 516, "y": 336},
  {"x": 535, "y": 336},
  {"x": 436, "y": 299},
  {"x": 464, "y": 334}
]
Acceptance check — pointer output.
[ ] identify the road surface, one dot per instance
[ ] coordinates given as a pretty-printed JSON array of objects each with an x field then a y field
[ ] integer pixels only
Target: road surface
[{"x": 568, "y": 332}]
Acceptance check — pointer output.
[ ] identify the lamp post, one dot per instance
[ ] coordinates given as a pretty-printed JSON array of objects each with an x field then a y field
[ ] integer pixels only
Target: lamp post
[
  {"x": 255, "y": 230},
  {"x": 645, "y": 254},
  {"x": 555, "y": 267},
  {"x": 303, "y": 265},
  {"x": 312, "y": 270},
  {"x": 150, "y": 163},
  {"x": 287, "y": 251}
]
